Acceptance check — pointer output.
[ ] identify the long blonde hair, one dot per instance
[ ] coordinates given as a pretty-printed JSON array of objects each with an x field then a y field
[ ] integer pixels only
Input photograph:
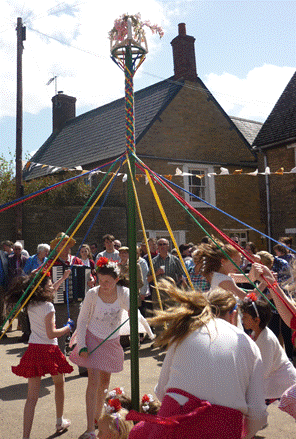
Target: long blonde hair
[
  {"x": 119, "y": 427},
  {"x": 221, "y": 301},
  {"x": 192, "y": 311}
]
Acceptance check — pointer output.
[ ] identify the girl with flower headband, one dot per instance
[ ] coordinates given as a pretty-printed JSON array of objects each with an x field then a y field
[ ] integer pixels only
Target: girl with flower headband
[
  {"x": 119, "y": 393},
  {"x": 279, "y": 372},
  {"x": 99, "y": 318},
  {"x": 211, "y": 376},
  {"x": 113, "y": 423},
  {"x": 43, "y": 355},
  {"x": 149, "y": 404}
]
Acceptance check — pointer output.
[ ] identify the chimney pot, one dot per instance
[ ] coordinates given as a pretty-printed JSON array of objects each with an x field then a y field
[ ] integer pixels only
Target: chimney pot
[{"x": 182, "y": 29}]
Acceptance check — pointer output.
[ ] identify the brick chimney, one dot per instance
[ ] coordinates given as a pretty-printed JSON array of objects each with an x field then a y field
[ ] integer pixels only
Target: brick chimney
[
  {"x": 63, "y": 109},
  {"x": 184, "y": 55}
]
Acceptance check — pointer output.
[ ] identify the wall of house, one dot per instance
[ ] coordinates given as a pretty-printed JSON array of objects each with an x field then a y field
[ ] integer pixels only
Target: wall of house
[
  {"x": 193, "y": 128},
  {"x": 282, "y": 190},
  {"x": 41, "y": 224}
]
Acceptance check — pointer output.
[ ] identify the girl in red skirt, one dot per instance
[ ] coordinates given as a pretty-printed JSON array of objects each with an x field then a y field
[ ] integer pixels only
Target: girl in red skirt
[{"x": 43, "y": 355}]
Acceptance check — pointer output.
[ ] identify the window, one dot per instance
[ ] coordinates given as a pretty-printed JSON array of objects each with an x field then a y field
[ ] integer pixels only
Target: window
[{"x": 199, "y": 184}]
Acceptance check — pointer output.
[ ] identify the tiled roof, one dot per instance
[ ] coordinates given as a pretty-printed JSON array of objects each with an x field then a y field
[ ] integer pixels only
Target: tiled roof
[
  {"x": 99, "y": 134},
  {"x": 280, "y": 125},
  {"x": 248, "y": 128}
]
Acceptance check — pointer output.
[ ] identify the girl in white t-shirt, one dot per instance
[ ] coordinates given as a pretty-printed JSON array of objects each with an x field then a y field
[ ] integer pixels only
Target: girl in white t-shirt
[
  {"x": 279, "y": 372},
  {"x": 99, "y": 318},
  {"x": 43, "y": 355},
  {"x": 219, "y": 262}
]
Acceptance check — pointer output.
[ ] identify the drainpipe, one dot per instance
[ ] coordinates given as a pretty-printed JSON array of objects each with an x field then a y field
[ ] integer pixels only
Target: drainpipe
[{"x": 267, "y": 188}]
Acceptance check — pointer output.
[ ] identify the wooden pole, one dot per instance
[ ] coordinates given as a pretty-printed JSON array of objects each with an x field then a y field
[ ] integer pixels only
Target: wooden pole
[{"x": 19, "y": 128}]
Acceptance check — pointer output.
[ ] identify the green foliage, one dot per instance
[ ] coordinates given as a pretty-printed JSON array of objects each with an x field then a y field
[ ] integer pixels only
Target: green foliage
[
  {"x": 7, "y": 182},
  {"x": 74, "y": 193},
  {"x": 69, "y": 194}
]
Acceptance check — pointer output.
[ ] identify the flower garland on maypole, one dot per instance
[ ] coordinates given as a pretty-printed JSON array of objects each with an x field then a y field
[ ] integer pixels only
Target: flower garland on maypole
[{"x": 128, "y": 47}]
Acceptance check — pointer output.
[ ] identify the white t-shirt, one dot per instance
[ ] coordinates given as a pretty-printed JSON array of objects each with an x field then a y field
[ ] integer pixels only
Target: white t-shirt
[
  {"x": 221, "y": 364},
  {"x": 37, "y": 313},
  {"x": 217, "y": 278},
  {"x": 279, "y": 372},
  {"x": 99, "y": 317},
  {"x": 114, "y": 256}
]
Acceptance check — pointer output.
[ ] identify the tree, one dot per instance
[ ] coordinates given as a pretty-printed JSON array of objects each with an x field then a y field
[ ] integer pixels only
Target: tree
[{"x": 68, "y": 194}]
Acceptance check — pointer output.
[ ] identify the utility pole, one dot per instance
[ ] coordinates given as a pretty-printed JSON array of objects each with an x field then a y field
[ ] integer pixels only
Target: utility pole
[{"x": 21, "y": 36}]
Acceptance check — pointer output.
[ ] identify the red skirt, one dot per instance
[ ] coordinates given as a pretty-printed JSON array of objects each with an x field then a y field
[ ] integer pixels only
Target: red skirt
[
  {"x": 42, "y": 359},
  {"x": 197, "y": 419}
]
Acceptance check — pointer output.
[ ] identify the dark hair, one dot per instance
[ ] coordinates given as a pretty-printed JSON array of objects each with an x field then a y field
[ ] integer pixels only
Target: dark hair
[
  {"x": 252, "y": 246},
  {"x": 263, "y": 308},
  {"x": 112, "y": 271},
  {"x": 287, "y": 240},
  {"x": 20, "y": 285},
  {"x": 281, "y": 248},
  {"x": 109, "y": 237}
]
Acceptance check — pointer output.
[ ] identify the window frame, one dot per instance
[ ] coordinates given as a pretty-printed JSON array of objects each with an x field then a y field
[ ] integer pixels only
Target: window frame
[{"x": 210, "y": 195}]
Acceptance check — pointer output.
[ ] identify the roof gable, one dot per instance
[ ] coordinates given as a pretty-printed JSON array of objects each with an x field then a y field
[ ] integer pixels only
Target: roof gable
[
  {"x": 99, "y": 134},
  {"x": 280, "y": 125}
]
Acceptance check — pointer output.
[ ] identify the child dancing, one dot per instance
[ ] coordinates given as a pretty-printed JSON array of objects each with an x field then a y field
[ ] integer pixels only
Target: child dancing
[
  {"x": 43, "y": 355},
  {"x": 197, "y": 399},
  {"x": 287, "y": 311},
  {"x": 279, "y": 372},
  {"x": 99, "y": 317}
]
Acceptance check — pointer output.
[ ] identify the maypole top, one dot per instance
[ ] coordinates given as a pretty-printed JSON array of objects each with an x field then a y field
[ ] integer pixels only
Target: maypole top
[{"x": 128, "y": 32}]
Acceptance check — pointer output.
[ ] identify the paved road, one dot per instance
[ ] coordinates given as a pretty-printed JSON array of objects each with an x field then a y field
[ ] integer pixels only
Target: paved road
[{"x": 13, "y": 395}]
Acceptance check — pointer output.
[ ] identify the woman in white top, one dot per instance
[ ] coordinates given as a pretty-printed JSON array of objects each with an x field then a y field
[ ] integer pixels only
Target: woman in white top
[
  {"x": 211, "y": 375},
  {"x": 99, "y": 318}
]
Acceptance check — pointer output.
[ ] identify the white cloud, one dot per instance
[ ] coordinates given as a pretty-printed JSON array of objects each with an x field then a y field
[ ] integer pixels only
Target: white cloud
[
  {"x": 87, "y": 74},
  {"x": 252, "y": 97}
]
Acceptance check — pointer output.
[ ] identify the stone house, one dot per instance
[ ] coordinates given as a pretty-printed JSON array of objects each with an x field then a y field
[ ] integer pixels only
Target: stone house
[
  {"x": 179, "y": 124},
  {"x": 275, "y": 146}
]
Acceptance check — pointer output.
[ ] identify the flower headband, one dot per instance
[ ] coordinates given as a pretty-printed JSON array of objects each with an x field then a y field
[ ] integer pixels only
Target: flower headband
[
  {"x": 113, "y": 408},
  {"x": 251, "y": 298},
  {"x": 105, "y": 262},
  {"x": 116, "y": 391},
  {"x": 146, "y": 399}
]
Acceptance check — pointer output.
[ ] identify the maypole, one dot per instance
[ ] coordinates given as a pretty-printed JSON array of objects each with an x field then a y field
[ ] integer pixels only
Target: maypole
[{"x": 128, "y": 51}]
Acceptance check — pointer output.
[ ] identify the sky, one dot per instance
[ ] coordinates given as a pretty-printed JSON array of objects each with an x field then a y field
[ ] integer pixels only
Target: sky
[{"x": 245, "y": 54}]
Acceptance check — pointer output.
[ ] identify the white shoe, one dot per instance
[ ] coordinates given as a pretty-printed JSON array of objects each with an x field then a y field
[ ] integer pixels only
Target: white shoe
[{"x": 63, "y": 426}]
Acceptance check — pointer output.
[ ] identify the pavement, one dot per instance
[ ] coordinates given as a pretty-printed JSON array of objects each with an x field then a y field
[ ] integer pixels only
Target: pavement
[{"x": 13, "y": 392}]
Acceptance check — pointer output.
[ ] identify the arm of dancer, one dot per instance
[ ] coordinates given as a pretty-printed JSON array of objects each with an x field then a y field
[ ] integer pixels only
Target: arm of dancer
[
  {"x": 256, "y": 417},
  {"x": 51, "y": 330},
  {"x": 229, "y": 285},
  {"x": 283, "y": 304}
]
